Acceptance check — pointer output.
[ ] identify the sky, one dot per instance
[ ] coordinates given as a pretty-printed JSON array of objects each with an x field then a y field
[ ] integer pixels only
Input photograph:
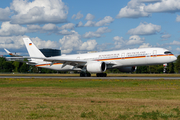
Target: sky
[{"x": 80, "y": 26}]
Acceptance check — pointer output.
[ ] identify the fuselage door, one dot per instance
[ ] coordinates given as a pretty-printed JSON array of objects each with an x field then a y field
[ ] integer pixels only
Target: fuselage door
[
  {"x": 148, "y": 57},
  {"x": 154, "y": 53},
  {"x": 123, "y": 56}
]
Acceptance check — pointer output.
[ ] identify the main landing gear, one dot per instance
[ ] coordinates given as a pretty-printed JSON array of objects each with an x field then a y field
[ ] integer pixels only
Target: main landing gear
[
  {"x": 85, "y": 74},
  {"x": 101, "y": 75}
]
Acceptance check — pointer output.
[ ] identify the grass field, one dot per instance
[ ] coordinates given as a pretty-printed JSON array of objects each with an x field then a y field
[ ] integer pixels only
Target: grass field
[{"x": 89, "y": 99}]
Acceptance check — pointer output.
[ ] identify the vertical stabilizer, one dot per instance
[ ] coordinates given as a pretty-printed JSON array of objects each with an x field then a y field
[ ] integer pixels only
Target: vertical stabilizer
[
  {"x": 32, "y": 49},
  {"x": 7, "y": 51}
]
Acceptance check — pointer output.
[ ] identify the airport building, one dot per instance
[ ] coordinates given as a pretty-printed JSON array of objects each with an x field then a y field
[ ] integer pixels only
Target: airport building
[{"x": 48, "y": 52}]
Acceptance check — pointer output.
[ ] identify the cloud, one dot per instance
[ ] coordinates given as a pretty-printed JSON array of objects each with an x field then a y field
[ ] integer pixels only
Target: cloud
[
  {"x": 13, "y": 42},
  {"x": 80, "y": 24},
  {"x": 91, "y": 35},
  {"x": 138, "y": 8},
  {"x": 4, "y": 14},
  {"x": 134, "y": 40},
  {"x": 102, "y": 30},
  {"x": 38, "y": 11},
  {"x": 174, "y": 43},
  {"x": 89, "y": 45},
  {"x": 149, "y": 1},
  {"x": 145, "y": 45},
  {"x": 119, "y": 42},
  {"x": 164, "y": 6},
  {"x": 70, "y": 43},
  {"x": 178, "y": 18},
  {"x": 89, "y": 24},
  {"x": 105, "y": 21},
  {"x": 165, "y": 36},
  {"x": 33, "y": 28},
  {"x": 132, "y": 13},
  {"x": 178, "y": 49},
  {"x": 66, "y": 32},
  {"x": 89, "y": 17},
  {"x": 8, "y": 29},
  {"x": 77, "y": 16},
  {"x": 97, "y": 33},
  {"x": 67, "y": 26},
  {"x": 44, "y": 44},
  {"x": 16, "y": 42},
  {"x": 50, "y": 27},
  {"x": 145, "y": 29},
  {"x": 134, "y": 9}
]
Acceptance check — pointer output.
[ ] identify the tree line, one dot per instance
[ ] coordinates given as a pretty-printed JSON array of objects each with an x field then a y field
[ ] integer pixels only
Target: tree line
[{"x": 22, "y": 67}]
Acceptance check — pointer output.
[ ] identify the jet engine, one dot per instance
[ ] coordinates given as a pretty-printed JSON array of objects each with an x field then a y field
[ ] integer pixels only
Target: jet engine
[
  {"x": 127, "y": 69},
  {"x": 96, "y": 67}
]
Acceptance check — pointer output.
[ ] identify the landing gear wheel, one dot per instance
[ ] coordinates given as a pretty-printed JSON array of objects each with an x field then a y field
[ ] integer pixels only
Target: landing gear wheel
[
  {"x": 83, "y": 74},
  {"x": 101, "y": 75},
  {"x": 88, "y": 75}
]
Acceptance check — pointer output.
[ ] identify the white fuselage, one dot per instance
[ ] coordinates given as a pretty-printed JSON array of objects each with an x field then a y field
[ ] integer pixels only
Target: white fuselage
[{"x": 121, "y": 58}]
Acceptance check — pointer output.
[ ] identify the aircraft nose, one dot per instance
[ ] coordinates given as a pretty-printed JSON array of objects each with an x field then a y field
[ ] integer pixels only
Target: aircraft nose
[{"x": 174, "y": 58}]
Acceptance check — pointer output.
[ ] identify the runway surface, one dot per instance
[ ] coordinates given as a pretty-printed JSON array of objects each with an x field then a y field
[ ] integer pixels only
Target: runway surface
[{"x": 75, "y": 77}]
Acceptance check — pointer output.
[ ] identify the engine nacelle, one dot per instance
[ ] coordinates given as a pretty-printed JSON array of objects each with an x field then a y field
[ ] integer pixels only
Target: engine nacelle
[
  {"x": 96, "y": 67},
  {"x": 127, "y": 69}
]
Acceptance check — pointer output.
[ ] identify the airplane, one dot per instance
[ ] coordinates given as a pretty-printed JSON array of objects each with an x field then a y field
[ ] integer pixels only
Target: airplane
[
  {"x": 99, "y": 62},
  {"x": 11, "y": 54},
  {"x": 20, "y": 59}
]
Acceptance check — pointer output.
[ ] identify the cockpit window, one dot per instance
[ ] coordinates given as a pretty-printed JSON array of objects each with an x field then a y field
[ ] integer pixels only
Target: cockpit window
[{"x": 167, "y": 52}]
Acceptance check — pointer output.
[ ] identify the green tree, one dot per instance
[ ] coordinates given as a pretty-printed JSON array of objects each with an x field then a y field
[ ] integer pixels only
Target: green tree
[
  {"x": 7, "y": 66},
  {"x": 159, "y": 68},
  {"x": 142, "y": 69},
  {"x": 177, "y": 64},
  {"x": 2, "y": 60},
  {"x": 24, "y": 68},
  {"x": 16, "y": 66},
  {"x": 170, "y": 68}
]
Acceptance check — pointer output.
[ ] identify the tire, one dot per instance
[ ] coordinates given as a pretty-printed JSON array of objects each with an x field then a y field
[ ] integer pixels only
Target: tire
[
  {"x": 88, "y": 74},
  {"x": 82, "y": 74}
]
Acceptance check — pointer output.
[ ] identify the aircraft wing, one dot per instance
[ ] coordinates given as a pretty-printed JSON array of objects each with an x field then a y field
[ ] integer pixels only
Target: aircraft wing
[
  {"x": 74, "y": 62},
  {"x": 64, "y": 61},
  {"x": 61, "y": 60},
  {"x": 20, "y": 59}
]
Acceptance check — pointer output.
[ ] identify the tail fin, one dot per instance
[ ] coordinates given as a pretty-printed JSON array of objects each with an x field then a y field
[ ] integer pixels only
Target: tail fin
[
  {"x": 32, "y": 49},
  {"x": 7, "y": 51}
]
